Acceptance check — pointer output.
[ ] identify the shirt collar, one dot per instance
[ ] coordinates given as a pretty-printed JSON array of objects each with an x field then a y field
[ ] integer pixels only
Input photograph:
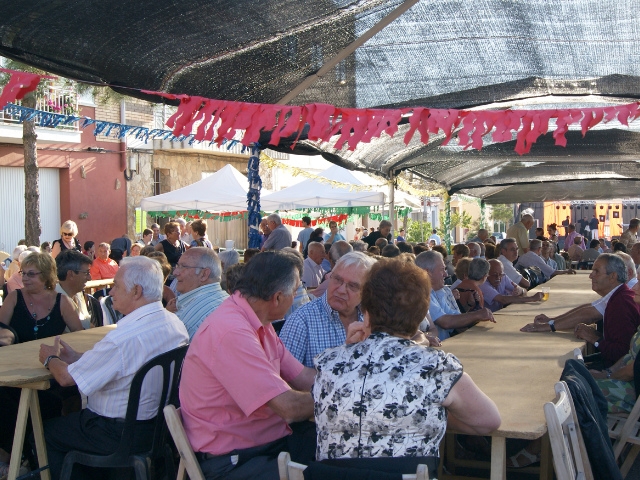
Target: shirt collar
[
  {"x": 140, "y": 311},
  {"x": 242, "y": 303}
]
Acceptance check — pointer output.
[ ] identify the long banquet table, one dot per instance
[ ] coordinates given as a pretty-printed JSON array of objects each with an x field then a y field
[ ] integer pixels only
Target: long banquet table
[
  {"x": 20, "y": 368},
  {"x": 518, "y": 370}
]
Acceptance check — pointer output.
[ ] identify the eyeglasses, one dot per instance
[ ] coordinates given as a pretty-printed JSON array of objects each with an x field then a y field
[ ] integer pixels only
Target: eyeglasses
[
  {"x": 67, "y": 234},
  {"x": 85, "y": 272},
  {"x": 497, "y": 275},
  {"x": 188, "y": 266},
  {"x": 352, "y": 286},
  {"x": 31, "y": 274}
]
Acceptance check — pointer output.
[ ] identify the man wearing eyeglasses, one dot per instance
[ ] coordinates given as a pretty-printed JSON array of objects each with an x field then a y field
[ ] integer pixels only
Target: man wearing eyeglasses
[
  {"x": 323, "y": 323},
  {"x": 499, "y": 291},
  {"x": 73, "y": 274},
  {"x": 198, "y": 274}
]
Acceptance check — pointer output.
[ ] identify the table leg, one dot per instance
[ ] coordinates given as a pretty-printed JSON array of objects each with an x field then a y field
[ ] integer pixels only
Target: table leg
[
  {"x": 498, "y": 458},
  {"x": 546, "y": 456},
  {"x": 26, "y": 399},
  {"x": 38, "y": 435}
]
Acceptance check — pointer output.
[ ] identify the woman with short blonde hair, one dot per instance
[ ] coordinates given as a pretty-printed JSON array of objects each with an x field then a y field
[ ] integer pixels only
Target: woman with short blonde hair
[{"x": 67, "y": 240}]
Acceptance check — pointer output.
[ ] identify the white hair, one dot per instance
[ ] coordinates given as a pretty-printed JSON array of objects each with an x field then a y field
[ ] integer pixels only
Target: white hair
[
  {"x": 355, "y": 260},
  {"x": 429, "y": 260},
  {"x": 228, "y": 258},
  {"x": 628, "y": 261},
  {"x": 17, "y": 251},
  {"x": 24, "y": 255},
  {"x": 275, "y": 218},
  {"x": 145, "y": 272}
]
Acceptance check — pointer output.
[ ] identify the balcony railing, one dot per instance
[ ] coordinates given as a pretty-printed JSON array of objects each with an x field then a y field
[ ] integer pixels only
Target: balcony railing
[{"x": 56, "y": 99}]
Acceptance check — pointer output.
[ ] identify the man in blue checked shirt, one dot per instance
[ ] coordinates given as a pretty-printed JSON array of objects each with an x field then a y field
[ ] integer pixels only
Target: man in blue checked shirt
[
  {"x": 323, "y": 323},
  {"x": 198, "y": 274}
]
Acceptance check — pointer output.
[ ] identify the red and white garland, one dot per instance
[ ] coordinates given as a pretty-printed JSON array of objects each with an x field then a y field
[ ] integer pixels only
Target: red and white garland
[{"x": 218, "y": 120}]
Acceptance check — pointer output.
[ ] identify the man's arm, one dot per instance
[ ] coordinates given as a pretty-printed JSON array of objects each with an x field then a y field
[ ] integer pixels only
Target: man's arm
[
  {"x": 509, "y": 299},
  {"x": 304, "y": 381},
  {"x": 449, "y": 321},
  {"x": 58, "y": 366},
  {"x": 292, "y": 406},
  {"x": 567, "y": 321}
]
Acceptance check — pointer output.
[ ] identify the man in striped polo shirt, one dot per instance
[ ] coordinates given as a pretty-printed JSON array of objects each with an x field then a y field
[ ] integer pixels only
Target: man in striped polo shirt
[{"x": 198, "y": 273}]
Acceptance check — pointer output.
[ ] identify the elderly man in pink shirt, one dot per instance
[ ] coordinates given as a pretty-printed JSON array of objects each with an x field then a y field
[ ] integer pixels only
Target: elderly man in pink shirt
[{"x": 241, "y": 388}]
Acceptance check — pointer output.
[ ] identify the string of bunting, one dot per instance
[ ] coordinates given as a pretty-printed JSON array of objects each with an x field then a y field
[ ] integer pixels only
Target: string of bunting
[
  {"x": 295, "y": 171},
  {"x": 217, "y": 120},
  {"x": 200, "y": 214},
  {"x": 339, "y": 219}
]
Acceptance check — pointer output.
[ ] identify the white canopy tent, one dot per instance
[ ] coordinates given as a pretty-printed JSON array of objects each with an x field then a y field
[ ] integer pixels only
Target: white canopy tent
[
  {"x": 224, "y": 191},
  {"x": 312, "y": 193}
]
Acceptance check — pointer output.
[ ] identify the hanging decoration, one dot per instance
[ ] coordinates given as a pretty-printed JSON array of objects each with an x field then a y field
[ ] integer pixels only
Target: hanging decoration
[
  {"x": 295, "y": 171},
  {"x": 221, "y": 120},
  {"x": 406, "y": 187},
  {"x": 354, "y": 126},
  {"x": 339, "y": 219},
  {"x": 200, "y": 214},
  {"x": 18, "y": 85},
  {"x": 253, "y": 197}
]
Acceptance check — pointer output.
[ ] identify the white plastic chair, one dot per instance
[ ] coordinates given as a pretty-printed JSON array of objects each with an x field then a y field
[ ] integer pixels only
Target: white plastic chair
[{"x": 570, "y": 458}]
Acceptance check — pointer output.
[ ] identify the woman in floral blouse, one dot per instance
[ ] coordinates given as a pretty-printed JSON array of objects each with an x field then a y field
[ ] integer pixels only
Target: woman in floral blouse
[{"x": 387, "y": 396}]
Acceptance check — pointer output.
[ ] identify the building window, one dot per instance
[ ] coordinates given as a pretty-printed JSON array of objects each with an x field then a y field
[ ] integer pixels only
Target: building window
[{"x": 157, "y": 183}]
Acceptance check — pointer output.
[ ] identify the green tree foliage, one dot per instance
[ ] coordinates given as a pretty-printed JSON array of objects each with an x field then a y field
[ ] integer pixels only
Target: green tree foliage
[
  {"x": 502, "y": 213},
  {"x": 418, "y": 231}
]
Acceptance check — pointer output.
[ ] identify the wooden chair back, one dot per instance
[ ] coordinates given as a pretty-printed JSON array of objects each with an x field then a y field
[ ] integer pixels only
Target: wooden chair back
[
  {"x": 625, "y": 429},
  {"x": 188, "y": 462},
  {"x": 289, "y": 470},
  {"x": 570, "y": 458}
]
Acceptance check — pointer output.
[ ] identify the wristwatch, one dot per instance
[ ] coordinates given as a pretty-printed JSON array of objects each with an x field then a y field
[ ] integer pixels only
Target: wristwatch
[
  {"x": 49, "y": 358},
  {"x": 596, "y": 344},
  {"x": 609, "y": 372},
  {"x": 552, "y": 325}
]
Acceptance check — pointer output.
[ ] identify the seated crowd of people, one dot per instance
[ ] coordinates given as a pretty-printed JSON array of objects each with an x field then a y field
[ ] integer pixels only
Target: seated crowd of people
[{"x": 283, "y": 336}]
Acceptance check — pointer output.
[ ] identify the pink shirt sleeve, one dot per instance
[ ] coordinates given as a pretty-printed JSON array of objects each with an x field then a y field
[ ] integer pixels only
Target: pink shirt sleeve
[{"x": 250, "y": 370}]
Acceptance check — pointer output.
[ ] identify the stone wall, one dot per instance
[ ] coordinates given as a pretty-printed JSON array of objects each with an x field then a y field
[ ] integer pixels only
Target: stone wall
[{"x": 179, "y": 169}]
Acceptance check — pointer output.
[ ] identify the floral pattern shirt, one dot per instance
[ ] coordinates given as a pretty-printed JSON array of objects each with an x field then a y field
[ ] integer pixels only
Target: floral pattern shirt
[{"x": 382, "y": 398}]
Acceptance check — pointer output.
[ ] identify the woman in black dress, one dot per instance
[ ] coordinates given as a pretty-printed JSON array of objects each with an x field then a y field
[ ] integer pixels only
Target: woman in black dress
[
  {"x": 172, "y": 246},
  {"x": 67, "y": 240},
  {"x": 33, "y": 312}
]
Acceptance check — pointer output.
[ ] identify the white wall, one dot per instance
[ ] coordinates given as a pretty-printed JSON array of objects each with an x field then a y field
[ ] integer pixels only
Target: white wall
[{"x": 12, "y": 202}]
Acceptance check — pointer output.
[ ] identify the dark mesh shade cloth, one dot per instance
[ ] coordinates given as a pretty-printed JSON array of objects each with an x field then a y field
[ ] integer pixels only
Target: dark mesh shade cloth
[{"x": 438, "y": 54}]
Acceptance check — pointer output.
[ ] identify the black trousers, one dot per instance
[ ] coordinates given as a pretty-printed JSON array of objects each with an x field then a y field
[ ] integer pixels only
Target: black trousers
[
  {"x": 261, "y": 462},
  {"x": 88, "y": 432}
]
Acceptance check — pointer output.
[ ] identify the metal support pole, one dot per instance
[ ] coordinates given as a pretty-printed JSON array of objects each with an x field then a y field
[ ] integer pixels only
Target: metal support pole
[
  {"x": 392, "y": 203},
  {"x": 447, "y": 221},
  {"x": 482, "y": 214},
  {"x": 253, "y": 197}
]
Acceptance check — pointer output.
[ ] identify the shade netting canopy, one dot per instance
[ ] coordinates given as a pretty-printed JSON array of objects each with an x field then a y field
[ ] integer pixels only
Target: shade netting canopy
[
  {"x": 313, "y": 193},
  {"x": 224, "y": 191},
  {"x": 445, "y": 54}
]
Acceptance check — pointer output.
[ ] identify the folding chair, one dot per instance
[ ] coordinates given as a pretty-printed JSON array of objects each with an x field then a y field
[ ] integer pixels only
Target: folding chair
[
  {"x": 570, "y": 458},
  {"x": 289, "y": 470},
  {"x": 188, "y": 462}
]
